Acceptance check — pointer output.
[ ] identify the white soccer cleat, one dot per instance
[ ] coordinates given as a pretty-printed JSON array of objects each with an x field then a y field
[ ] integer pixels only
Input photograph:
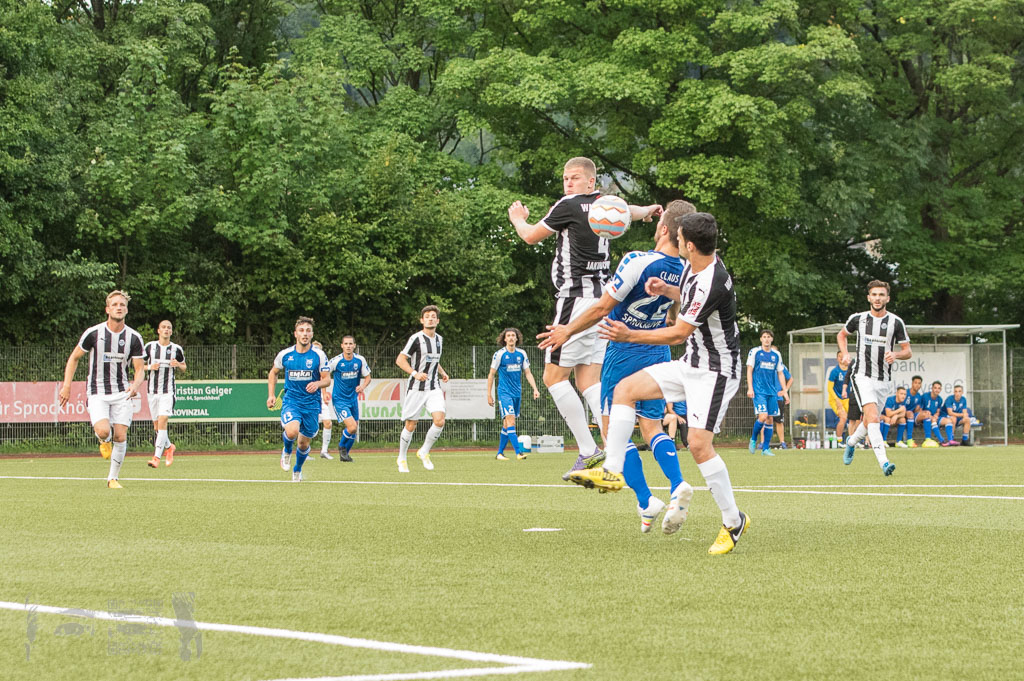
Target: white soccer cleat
[
  {"x": 425, "y": 458},
  {"x": 650, "y": 514},
  {"x": 286, "y": 460},
  {"x": 296, "y": 476},
  {"x": 403, "y": 466},
  {"x": 325, "y": 455},
  {"x": 678, "y": 508},
  {"x": 902, "y": 445}
]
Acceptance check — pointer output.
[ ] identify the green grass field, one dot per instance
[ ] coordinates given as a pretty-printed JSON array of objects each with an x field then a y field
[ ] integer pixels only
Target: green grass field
[{"x": 844, "y": 574}]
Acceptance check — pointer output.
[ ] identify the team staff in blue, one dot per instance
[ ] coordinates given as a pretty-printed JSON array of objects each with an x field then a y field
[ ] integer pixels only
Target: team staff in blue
[
  {"x": 509, "y": 364},
  {"x": 764, "y": 375},
  {"x": 305, "y": 373},
  {"x": 955, "y": 412},
  {"x": 351, "y": 374}
]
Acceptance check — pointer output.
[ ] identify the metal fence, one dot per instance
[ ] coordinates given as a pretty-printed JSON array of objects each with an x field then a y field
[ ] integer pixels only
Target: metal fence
[{"x": 539, "y": 417}]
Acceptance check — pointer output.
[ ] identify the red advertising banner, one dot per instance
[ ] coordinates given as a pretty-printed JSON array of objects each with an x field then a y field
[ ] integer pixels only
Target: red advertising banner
[{"x": 39, "y": 403}]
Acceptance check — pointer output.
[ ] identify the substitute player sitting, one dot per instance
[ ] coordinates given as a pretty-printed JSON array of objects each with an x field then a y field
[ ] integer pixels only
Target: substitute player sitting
[
  {"x": 895, "y": 414},
  {"x": 305, "y": 373},
  {"x": 509, "y": 364},
  {"x": 956, "y": 414},
  {"x": 929, "y": 414}
]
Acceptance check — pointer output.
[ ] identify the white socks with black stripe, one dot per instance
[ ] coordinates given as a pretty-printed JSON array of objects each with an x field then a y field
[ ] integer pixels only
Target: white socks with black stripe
[
  {"x": 116, "y": 459},
  {"x": 404, "y": 440}
]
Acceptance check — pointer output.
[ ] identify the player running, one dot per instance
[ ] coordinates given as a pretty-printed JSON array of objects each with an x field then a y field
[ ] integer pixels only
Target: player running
[
  {"x": 764, "y": 384},
  {"x": 110, "y": 346},
  {"x": 305, "y": 373},
  {"x": 351, "y": 374},
  {"x": 508, "y": 364},
  {"x": 162, "y": 358},
  {"x": 629, "y": 299},
  {"x": 878, "y": 331},
  {"x": 579, "y": 273},
  {"x": 421, "y": 359}
]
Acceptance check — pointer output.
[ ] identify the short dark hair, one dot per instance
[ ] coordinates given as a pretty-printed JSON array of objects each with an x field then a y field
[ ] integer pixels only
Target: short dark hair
[
  {"x": 878, "y": 283},
  {"x": 936, "y": 383},
  {"x": 348, "y": 335},
  {"x": 916, "y": 378},
  {"x": 430, "y": 308},
  {"x": 767, "y": 331},
  {"x": 701, "y": 230},
  {"x": 303, "y": 320},
  {"x": 517, "y": 332},
  {"x": 900, "y": 387}
]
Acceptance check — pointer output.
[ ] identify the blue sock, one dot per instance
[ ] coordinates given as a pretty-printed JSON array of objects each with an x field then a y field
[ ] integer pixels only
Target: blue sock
[
  {"x": 910, "y": 430},
  {"x": 513, "y": 439},
  {"x": 927, "y": 429},
  {"x": 901, "y": 432},
  {"x": 633, "y": 472},
  {"x": 665, "y": 454},
  {"x": 965, "y": 438},
  {"x": 347, "y": 440},
  {"x": 503, "y": 440},
  {"x": 766, "y": 435},
  {"x": 758, "y": 425},
  {"x": 287, "y": 444},
  {"x": 885, "y": 430},
  {"x": 949, "y": 432},
  {"x": 301, "y": 459},
  {"x": 937, "y": 430}
]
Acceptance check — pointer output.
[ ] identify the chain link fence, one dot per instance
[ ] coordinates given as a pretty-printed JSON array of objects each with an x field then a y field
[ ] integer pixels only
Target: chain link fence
[{"x": 211, "y": 362}]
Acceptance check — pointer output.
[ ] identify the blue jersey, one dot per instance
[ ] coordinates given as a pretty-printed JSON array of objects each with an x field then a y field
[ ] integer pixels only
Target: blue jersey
[
  {"x": 347, "y": 374},
  {"x": 837, "y": 376},
  {"x": 637, "y": 309},
  {"x": 766, "y": 370},
  {"x": 954, "y": 405},
  {"x": 785, "y": 375},
  {"x": 892, "y": 403},
  {"x": 679, "y": 408},
  {"x": 914, "y": 401},
  {"x": 301, "y": 369},
  {"x": 932, "y": 404},
  {"x": 508, "y": 367}
]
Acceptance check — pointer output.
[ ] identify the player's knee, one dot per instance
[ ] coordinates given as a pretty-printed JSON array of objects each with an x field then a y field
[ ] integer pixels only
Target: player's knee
[{"x": 439, "y": 421}]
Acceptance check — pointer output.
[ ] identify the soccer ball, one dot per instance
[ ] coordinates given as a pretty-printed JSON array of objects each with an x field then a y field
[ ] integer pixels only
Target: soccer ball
[{"x": 609, "y": 217}]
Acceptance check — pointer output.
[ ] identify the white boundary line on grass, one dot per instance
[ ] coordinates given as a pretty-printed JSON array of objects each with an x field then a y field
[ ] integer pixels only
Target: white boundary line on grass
[
  {"x": 518, "y": 665},
  {"x": 762, "y": 489}
]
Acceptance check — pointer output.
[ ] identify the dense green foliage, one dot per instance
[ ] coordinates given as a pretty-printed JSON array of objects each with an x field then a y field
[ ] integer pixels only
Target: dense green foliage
[{"x": 234, "y": 164}]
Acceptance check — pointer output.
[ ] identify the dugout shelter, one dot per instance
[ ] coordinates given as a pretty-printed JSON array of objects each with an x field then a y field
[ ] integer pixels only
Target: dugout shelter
[{"x": 971, "y": 355}]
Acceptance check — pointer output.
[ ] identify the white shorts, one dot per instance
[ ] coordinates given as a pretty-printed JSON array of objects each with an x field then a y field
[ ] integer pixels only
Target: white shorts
[
  {"x": 160, "y": 404},
  {"x": 327, "y": 412},
  {"x": 583, "y": 348},
  {"x": 706, "y": 393},
  {"x": 115, "y": 408},
  {"x": 416, "y": 400},
  {"x": 870, "y": 390}
]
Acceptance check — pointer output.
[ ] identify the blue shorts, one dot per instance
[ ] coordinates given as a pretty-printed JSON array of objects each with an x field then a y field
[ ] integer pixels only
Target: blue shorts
[
  {"x": 347, "y": 409},
  {"x": 766, "y": 404},
  {"x": 308, "y": 418},
  {"x": 679, "y": 408},
  {"x": 620, "y": 363},
  {"x": 508, "y": 405}
]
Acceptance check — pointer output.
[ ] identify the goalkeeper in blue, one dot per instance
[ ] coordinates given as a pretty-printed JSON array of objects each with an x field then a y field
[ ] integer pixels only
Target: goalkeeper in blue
[
  {"x": 509, "y": 364},
  {"x": 629, "y": 298}
]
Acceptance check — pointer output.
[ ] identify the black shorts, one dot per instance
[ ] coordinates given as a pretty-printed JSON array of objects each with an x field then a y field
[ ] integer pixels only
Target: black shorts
[{"x": 853, "y": 414}]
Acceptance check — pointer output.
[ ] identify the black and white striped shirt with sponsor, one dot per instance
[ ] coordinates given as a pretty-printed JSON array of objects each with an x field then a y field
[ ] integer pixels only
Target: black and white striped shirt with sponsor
[
  {"x": 708, "y": 301},
  {"x": 424, "y": 353},
  {"x": 109, "y": 355},
  {"x": 161, "y": 380},
  {"x": 875, "y": 337},
  {"x": 582, "y": 261}
]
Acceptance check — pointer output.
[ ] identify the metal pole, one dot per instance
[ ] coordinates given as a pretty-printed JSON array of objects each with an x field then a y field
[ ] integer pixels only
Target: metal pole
[
  {"x": 1006, "y": 412},
  {"x": 824, "y": 387}
]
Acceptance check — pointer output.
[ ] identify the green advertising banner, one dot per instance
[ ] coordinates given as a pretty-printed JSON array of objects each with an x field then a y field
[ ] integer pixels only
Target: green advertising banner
[{"x": 224, "y": 401}]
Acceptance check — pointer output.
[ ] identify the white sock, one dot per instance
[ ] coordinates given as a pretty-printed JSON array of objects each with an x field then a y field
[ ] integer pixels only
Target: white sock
[
  {"x": 404, "y": 440},
  {"x": 592, "y": 395},
  {"x": 327, "y": 441},
  {"x": 717, "y": 476},
  {"x": 620, "y": 427},
  {"x": 116, "y": 459},
  {"x": 571, "y": 408},
  {"x": 858, "y": 435},
  {"x": 162, "y": 441},
  {"x": 432, "y": 434},
  {"x": 877, "y": 443}
]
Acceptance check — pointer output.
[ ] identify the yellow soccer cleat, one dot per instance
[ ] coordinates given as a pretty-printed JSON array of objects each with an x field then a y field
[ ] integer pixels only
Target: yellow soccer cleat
[
  {"x": 603, "y": 480},
  {"x": 106, "y": 448},
  {"x": 727, "y": 537},
  {"x": 929, "y": 443},
  {"x": 911, "y": 444},
  {"x": 114, "y": 484},
  {"x": 501, "y": 457}
]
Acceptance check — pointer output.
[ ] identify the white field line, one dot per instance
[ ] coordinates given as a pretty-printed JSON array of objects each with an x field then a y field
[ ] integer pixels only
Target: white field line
[
  {"x": 767, "y": 489},
  {"x": 517, "y": 665}
]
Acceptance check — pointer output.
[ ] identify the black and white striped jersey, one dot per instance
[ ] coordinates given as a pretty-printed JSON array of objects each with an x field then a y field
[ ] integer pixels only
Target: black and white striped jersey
[
  {"x": 110, "y": 353},
  {"x": 424, "y": 353},
  {"x": 582, "y": 261},
  {"x": 708, "y": 301},
  {"x": 161, "y": 380},
  {"x": 875, "y": 337}
]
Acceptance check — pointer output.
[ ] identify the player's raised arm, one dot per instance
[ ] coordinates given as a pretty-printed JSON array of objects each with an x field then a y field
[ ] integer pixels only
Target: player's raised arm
[
  {"x": 659, "y": 287},
  {"x": 531, "y": 234},
  {"x": 558, "y": 334},
  {"x": 668, "y": 335},
  {"x": 645, "y": 213}
]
